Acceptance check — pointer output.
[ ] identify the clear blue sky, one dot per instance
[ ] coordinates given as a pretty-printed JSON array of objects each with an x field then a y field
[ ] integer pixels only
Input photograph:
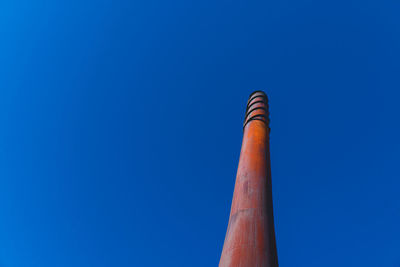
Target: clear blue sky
[{"x": 121, "y": 127}]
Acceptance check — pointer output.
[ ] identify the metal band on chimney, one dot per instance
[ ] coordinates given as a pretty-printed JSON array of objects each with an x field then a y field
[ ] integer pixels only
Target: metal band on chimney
[{"x": 257, "y": 108}]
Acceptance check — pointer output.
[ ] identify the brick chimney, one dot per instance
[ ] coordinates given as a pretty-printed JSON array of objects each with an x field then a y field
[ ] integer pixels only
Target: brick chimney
[{"x": 250, "y": 237}]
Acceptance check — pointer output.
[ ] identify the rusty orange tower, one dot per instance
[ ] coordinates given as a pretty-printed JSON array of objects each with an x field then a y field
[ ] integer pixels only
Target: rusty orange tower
[{"x": 250, "y": 237}]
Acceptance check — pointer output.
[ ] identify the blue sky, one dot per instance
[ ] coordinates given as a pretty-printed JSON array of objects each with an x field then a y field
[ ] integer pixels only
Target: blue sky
[{"x": 121, "y": 127}]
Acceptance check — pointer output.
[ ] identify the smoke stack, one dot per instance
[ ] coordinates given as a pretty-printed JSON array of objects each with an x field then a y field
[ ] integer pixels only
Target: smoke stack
[{"x": 250, "y": 237}]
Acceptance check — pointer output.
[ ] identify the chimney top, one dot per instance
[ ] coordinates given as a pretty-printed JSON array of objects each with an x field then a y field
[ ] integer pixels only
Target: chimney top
[{"x": 257, "y": 108}]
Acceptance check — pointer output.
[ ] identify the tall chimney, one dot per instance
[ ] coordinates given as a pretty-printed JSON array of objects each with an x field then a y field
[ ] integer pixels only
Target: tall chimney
[{"x": 250, "y": 237}]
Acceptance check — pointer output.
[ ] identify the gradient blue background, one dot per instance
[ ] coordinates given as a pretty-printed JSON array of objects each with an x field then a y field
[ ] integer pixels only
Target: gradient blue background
[{"x": 121, "y": 129}]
